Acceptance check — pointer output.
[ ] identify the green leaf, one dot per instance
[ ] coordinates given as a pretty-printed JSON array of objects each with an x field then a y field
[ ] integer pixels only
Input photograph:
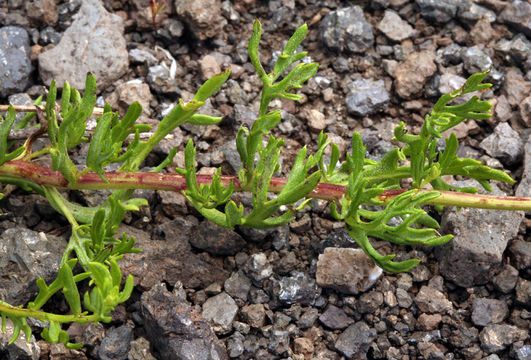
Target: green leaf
[
  {"x": 254, "y": 56},
  {"x": 200, "y": 119},
  {"x": 211, "y": 86}
]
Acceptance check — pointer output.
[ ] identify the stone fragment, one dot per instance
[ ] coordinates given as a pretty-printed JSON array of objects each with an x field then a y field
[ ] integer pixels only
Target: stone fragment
[
  {"x": 440, "y": 11},
  {"x": 235, "y": 345},
  {"x": 209, "y": 67},
  {"x": 203, "y": 17},
  {"x": 450, "y": 82},
  {"x": 369, "y": 302},
  {"x": 523, "y": 291},
  {"x": 254, "y": 315},
  {"x": 430, "y": 300},
  {"x": 524, "y": 188},
  {"x": 303, "y": 346},
  {"x": 15, "y": 62},
  {"x": 21, "y": 349},
  {"x": 520, "y": 252},
  {"x": 518, "y": 15},
  {"x": 521, "y": 352},
  {"x": 168, "y": 257},
  {"x": 176, "y": 330},
  {"x": 258, "y": 267},
  {"x": 335, "y": 318},
  {"x": 216, "y": 240},
  {"x": 525, "y": 110},
  {"x": 475, "y": 59},
  {"x": 220, "y": 310},
  {"x": 481, "y": 237},
  {"x": 488, "y": 311},
  {"x": 42, "y": 12},
  {"x": 94, "y": 43},
  {"x": 25, "y": 256},
  {"x": 129, "y": 92},
  {"x": 238, "y": 285},
  {"x": 505, "y": 281},
  {"x": 504, "y": 144},
  {"x": 140, "y": 350},
  {"x": 347, "y": 30},
  {"x": 503, "y": 111},
  {"x": 515, "y": 87},
  {"x": 429, "y": 322},
  {"x": 346, "y": 270},
  {"x": 355, "y": 340},
  {"x": 518, "y": 48},
  {"x": 316, "y": 119},
  {"x": 116, "y": 344},
  {"x": 394, "y": 27},
  {"x": 142, "y": 56},
  {"x": 412, "y": 73},
  {"x": 366, "y": 97},
  {"x": 403, "y": 298},
  {"x": 296, "y": 289},
  {"x": 470, "y": 12},
  {"x": 496, "y": 337}
]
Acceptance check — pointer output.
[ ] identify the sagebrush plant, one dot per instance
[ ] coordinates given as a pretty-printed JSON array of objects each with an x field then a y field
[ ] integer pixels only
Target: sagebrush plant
[{"x": 95, "y": 247}]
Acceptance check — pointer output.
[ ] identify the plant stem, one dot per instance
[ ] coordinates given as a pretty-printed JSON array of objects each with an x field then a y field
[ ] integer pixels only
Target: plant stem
[
  {"x": 5, "y": 308},
  {"x": 174, "y": 182}
]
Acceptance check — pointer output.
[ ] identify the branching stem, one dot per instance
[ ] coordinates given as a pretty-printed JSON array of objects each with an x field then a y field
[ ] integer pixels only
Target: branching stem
[{"x": 174, "y": 182}]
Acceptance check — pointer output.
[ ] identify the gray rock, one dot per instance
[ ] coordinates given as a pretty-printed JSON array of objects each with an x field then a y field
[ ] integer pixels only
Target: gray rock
[
  {"x": 505, "y": 281},
  {"x": 495, "y": 338},
  {"x": 346, "y": 270},
  {"x": 168, "y": 257},
  {"x": 504, "y": 144},
  {"x": 235, "y": 345},
  {"x": 518, "y": 15},
  {"x": 161, "y": 80},
  {"x": 347, "y": 29},
  {"x": 15, "y": 62},
  {"x": 176, "y": 329},
  {"x": 475, "y": 60},
  {"x": 521, "y": 352},
  {"x": 518, "y": 48},
  {"x": 335, "y": 318},
  {"x": 481, "y": 237},
  {"x": 488, "y": 311},
  {"x": 143, "y": 56},
  {"x": 438, "y": 11},
  {"x": 469, "y": 12},
  {"x": 430, "y": 300},
  {"x": 520, "y": 252},
  {"x": 366, "y": 97},
  {"x": 49, "y": 36},
  {"x": 412, "y": 73},
  {"x": 258, "y": 267},
  {"x": 216, "y": 240},
  {"x": 94, "y": 43},
  {"x": 308, "y": 318},
  {"x": 238, "y": 285},
  {"x": 203, "y": 17},
  {"x": 25, "y": 256},
  {"x": 355, "y": 340},
  {"x": 220, "y": 310},
  {"x": 394, "y": 27},
  {"x": 524, "y": 187},
  {"x": 299, "y": 288},
  {"x": 403, "y": 298},
  {"x": 450, "y": 82},
  {"x": 21, "y": 349},
  {"x": 515, "y": 87},
  {"x": 523, "y": 291},
  {"x": 116, "y": 344},
  {"x": 278, "y": 342},
  {"x": 449, "y": 55},
  {"x": 129, "y": 92}
]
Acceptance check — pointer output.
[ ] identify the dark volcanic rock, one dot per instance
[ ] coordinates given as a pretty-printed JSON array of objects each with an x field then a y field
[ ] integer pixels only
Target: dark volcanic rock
[
  {"x": 366, "y": 97},
  {"x": 354, "y": 341},
  {"x": 168, "y": 257},
  {"x": 347, "y": 29},
  {"x": 518, "y": 14},
  {"x": 116, "y": 344},
  {"x": 440, "y": 11},
  {"x": 176, "y": 329},
  {"x": 25, "y": 256},
  {"x": 216, "y": 240}
]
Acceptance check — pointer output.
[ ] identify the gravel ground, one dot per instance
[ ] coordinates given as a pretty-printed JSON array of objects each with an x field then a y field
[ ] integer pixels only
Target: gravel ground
[{"x": 303, "y": 291}]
